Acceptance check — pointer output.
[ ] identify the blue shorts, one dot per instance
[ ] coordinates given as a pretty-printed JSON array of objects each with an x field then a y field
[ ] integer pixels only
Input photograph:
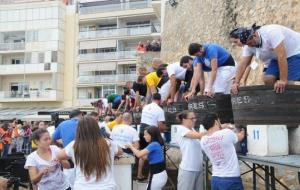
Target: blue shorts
[
  {"x": 226, "y": 183},
  {"x": 293, "y": 68}
]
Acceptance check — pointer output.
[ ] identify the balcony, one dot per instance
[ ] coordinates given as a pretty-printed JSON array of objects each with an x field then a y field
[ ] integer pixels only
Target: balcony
[
  {"x": 39, "y": 68},
  {"x": 12, "y": 46},
  {"x": 115, "y": 7},
  {"x": 120, "y": 32},
  {"x": 31, "y": 96},
  {"x": 108, "y": 56},
  {"x": 112, "y": 79}
]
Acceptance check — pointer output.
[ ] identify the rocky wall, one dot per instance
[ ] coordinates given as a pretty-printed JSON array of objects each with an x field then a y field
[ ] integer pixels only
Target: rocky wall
[{"x": 211, "y": 21}]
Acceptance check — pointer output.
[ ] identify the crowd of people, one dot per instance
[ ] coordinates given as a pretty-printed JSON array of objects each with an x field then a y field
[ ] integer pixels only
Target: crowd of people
[
  {"x": 143, "y": 47},
  {"x": 88, "y": 146},
  {"x": 15, "y": 135}
]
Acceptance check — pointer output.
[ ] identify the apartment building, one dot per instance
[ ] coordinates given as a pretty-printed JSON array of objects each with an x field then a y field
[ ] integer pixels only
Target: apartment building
[
  {"x": 109, "y": 32},
  {"x": 32, "y": 54}
]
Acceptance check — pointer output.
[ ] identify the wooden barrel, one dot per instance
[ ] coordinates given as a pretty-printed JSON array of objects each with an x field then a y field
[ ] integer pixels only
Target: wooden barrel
[
  {"x": 219, "y": 104},
  {"x": 172, "y": 110},
  {"x": 261, "y": 105}
]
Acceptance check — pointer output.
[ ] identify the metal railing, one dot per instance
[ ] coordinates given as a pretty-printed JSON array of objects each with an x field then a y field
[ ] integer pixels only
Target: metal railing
[
  {"x": 113, "y": 32},
  {"x": 108, "y": 56},
  {"x": 115, "y": 7},
  {"x": 28, "y": 68},
  {"x": 12, "y": 46},
  {"x": 30, "y": 94},
  {"x": 118, "y": 78}
]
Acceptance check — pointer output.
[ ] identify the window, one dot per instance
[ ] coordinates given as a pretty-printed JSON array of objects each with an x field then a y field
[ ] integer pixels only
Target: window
[
  {"x": 35, "y": 14},
  {"x": 32, "y": 36},
  {"x": 22, "y": 15},
  {"x": 41, "y": 57},
  {"x": 19, "y": 40},
  {"x": 3, "y": 16},
  {"x": 47, "y": 66},
  {"x": 105, "y": 72},
  {"x": 107, "y": 26},
  {"x": 48, "y": 12},
  {"x": 82, "y": 93},
  {"x": 98, "y": 92},
  {"x": 109, "y": 89},
  {"x": 19, "y": 89},
  {"x": 54, "y": 56},
  {"x": 92, "y": 28},
  {"x": 42, "y": 13},
  {"x": 15, "y": 16},
  {"x": 83, "y": 29},
  {"x": 132, "y": 69},
  {"x": 54, "y": 12},
  {"x": 15, "y": 61},
  {"x": 135, "y": 24},
  {"x": 82, "y": 51},
  {"x": 104, "y": 50},
  {"x": 29, "y": 14}
]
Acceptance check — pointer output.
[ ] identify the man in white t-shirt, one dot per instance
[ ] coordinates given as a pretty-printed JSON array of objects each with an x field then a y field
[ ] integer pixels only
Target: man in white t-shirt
[
  {"x": 153, "y": 114},
  {"x": 124, "y": 134},
  {"x": 176, "y": 73},
  {"x": 276, "y": 46},
  {"x": 218, "y": 145}
]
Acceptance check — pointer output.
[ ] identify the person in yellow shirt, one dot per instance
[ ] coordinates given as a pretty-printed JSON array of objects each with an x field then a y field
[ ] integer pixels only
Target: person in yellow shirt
[
  {"x": 155, "y": 80},
  {"x": 116, "y": 121}
]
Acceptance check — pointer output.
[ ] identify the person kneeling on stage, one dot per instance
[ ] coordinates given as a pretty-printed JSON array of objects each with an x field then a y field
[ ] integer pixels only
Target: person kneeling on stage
[{"x": 218, "y": 61}]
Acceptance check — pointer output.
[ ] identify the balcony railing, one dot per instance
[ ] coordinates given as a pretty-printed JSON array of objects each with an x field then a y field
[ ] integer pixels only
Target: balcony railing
[
  {"x": 119, "y": 78},
  {"x": 31, "y": 95},
  {"x": 108, "y": 56},
  {"x": 12, "y": 46},
  {"x": 128, "y": 31},
  {"x": 115, "y": 7},
  {"x": 28, "y": 68}
]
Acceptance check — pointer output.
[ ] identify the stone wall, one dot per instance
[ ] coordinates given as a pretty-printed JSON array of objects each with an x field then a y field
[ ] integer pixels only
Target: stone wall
[
  {"x": 211, "y": 21},
  {"x": 145, "y": 59}
]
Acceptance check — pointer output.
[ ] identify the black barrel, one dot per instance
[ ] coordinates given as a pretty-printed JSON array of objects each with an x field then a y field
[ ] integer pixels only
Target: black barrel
[
  {"x": 261, "y": 105},
  {"x": 172, "y": 110},
  {"x": 219, "y": 104}
]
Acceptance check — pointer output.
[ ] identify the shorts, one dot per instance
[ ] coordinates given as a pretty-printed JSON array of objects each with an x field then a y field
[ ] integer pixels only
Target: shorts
[
  {"x": 226, "y": 183},
  {"x": 293, "y": 68},
  {"x": 116, "y": 102},
  {"x": 223, "y": 79}
]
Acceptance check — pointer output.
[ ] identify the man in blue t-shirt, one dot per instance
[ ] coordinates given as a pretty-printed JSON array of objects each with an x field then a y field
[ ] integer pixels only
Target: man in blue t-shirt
[
  {"x": 215, "y": 59},
  {"x": 66, "y": 131}
]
